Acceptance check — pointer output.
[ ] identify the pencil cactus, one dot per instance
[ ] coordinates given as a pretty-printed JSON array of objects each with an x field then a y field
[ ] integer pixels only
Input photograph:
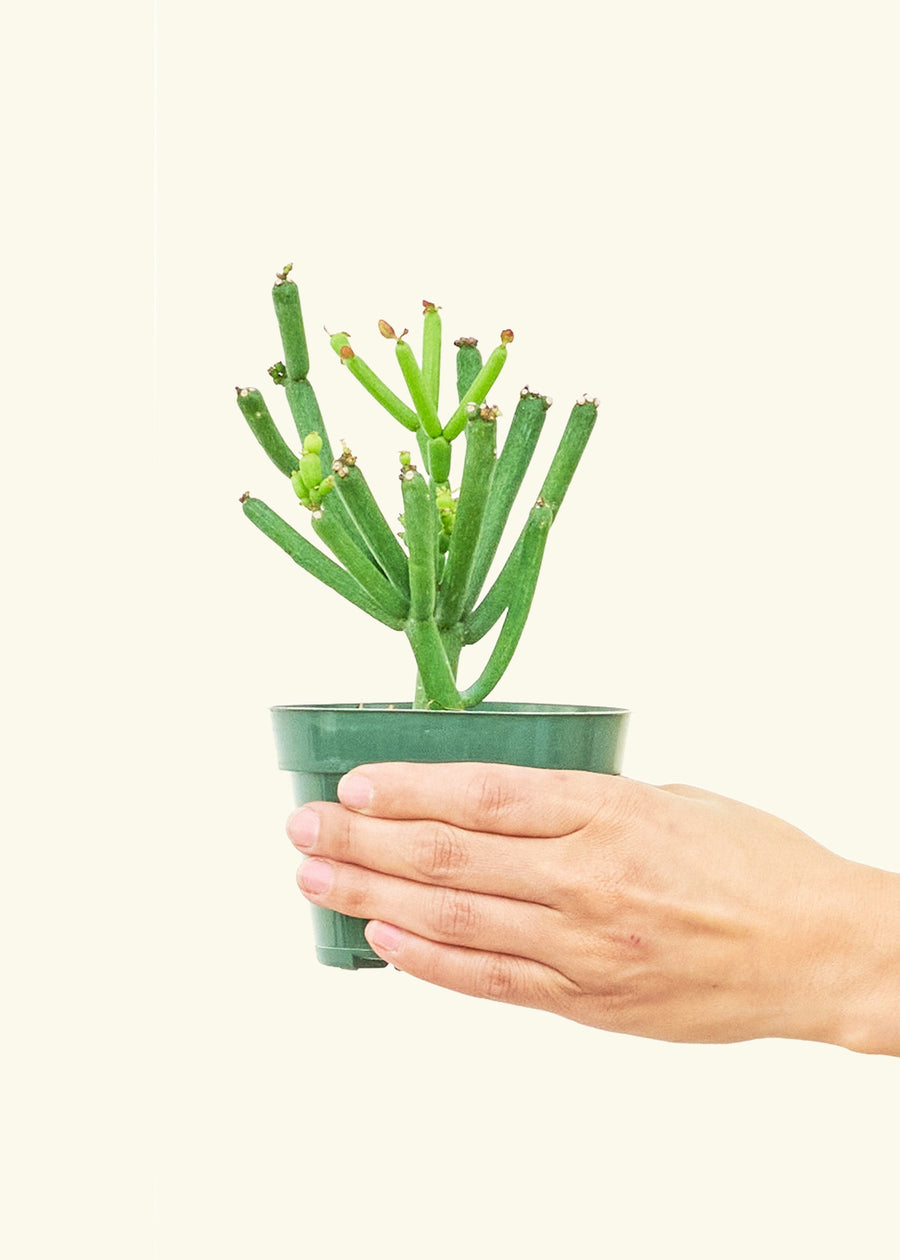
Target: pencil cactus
[{"x": 430, "y": 587}]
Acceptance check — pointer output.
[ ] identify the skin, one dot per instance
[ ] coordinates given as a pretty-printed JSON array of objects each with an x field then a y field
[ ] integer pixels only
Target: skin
[{"x": 663, "y": 912}]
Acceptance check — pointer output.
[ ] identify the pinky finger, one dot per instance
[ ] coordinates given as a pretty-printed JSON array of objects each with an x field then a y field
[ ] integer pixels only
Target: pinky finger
[{"x": 498, "y": 977}]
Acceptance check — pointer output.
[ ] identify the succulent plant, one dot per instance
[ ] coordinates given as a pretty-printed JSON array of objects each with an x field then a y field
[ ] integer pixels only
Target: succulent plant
[{"x": 426, "y": 581}]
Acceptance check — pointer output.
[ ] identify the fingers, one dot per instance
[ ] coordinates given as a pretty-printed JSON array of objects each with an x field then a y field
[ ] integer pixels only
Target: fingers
[
  {"x": 428, "y": 851},
  {"x": 500, "y": 977},
  {"x": 505, "y": 800},
  {"x": 448, "y": 915}
]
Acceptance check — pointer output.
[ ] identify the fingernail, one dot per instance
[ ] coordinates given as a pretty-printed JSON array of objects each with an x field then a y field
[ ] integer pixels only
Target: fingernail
[
  {"x": 355, "y": 791},
  {"x": 383, "y": 937},
  {"x": 315, "y": 876},
  {"x": 303, "y": 828}
]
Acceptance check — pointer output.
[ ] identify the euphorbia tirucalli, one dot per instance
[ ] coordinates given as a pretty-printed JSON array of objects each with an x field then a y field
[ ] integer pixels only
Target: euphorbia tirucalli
[{"x": 430, "y": 585}]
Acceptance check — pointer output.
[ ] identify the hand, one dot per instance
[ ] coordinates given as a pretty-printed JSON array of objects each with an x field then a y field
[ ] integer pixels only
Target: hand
[{"x": 665, "y": 912}]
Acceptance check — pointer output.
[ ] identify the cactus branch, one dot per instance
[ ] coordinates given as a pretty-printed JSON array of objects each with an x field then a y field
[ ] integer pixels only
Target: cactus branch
[
  {"x": 373, "y": 383},
  {"x": 420, "y": 528},
  {"x": 301, "y": 398},
  {"x": 353, "y": 490},
  {"x": 436, "y": 685},
  {"x": 431, "y": 353},
  {"x": 478, "y": 390},
  {"x": 340, "y": 541},
  {"x": 258, "y": 417},
  {"x": 302, "y": 552},
  {"x": 531, "y": 552},
  {"x": 286, "y": 299},
  {"x": 439, "y": 456},
  {"x": 571, "y": 447},
  {"x": 304, "y": 407},
  {"x": 418, "y": 390},
  {"x": 481, "y": 436},
  {"x": 468, "y": 364},
  {"x": 512, "y": 464},
  {"x": 495, "y": 603}
]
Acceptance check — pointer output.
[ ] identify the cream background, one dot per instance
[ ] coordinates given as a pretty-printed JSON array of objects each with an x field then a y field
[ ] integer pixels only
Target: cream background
[{"x": 687, "y": 209}]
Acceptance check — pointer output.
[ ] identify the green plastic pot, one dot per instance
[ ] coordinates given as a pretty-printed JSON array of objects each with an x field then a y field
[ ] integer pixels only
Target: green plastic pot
[{"x": 318, "y": 743}]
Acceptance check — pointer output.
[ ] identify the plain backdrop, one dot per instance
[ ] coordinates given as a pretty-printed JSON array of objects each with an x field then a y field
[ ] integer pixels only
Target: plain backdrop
[{"x": 689, "y": 210}]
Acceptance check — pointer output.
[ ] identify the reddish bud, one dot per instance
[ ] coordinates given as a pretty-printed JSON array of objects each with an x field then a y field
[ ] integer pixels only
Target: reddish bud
[
  {"x": 347, "y": 352},
  {"x": 506, "y": 336}
]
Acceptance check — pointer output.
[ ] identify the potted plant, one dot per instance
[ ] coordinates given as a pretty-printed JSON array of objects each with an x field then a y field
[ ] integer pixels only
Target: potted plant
[{"x": 427, "y": 580}]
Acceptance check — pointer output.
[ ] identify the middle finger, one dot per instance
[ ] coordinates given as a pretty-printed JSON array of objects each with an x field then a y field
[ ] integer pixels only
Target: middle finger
[{"x": 428, "y": 851}]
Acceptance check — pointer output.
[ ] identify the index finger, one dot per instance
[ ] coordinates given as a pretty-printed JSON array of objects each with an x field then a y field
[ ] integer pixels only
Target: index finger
[{"x": 498, "y": 799}]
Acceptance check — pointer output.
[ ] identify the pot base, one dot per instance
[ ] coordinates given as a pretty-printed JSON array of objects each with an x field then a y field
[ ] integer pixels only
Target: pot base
[{"x": 341, "y": 942}]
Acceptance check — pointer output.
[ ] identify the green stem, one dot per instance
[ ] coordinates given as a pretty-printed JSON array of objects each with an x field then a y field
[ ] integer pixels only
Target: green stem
[
  {"x": 340, "y": 541},
  {"x": 301, "y": 398},
  {"x": 418, "y": 390},
  {"x": 483, "y": 618},
  {"x": 308, "y": 419},
  {"x": 468, "y": 364},
  {"x": 256, "y": 413},
  {"x": 354, "y": 492},
  {"x": 481, "y": 436},
  {"x": 286, "y": 299},
  {"x": 512, "y": 464},
  {"x": 478, "y": 390},
  {"x": 534, "y": 540},
  {"x": 420, "y": 526},
  {"x": 436, "y": 685},
  {"x": 571, "y": 447},
  {"x": 302, "y": 552},
  {"x": 373, "y": 384},
  {"x": 431, "y": 353},
  {"x": 439, "y": 456}
]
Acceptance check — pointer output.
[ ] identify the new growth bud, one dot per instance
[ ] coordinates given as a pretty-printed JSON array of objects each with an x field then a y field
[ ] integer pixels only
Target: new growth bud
[
  {"x": 386, "y": 330},
  {"x": 345, "y": 461},
  {"x": 506, "y": 336}
]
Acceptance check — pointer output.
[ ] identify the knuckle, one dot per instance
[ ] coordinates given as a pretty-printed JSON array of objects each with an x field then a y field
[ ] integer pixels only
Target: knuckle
[
  {"x": 340, "y": 829},
  {"x": 353, "y": 906},
  {"x": 439, "y": 853},
  {"x": 489, "y": 797},
  {"x": 455, "y": 914},
  {"x": 621, "y": 808},
  {"x": 495, "y": 978}
]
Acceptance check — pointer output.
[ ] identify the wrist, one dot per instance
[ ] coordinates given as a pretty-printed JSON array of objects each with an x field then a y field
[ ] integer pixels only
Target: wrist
[{"x": 868, "y": 1016}]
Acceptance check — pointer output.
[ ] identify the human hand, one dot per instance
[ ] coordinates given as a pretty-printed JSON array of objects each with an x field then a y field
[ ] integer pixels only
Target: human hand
[{"x": 665, "y": 912}]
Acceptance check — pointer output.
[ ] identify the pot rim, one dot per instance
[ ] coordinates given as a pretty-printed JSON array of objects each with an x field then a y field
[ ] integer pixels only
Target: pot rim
[{"x": 488, "y": 708}]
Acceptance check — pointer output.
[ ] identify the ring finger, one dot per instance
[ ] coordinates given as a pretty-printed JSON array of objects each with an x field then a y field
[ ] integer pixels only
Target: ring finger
[{"x": 451, "y": 916}]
